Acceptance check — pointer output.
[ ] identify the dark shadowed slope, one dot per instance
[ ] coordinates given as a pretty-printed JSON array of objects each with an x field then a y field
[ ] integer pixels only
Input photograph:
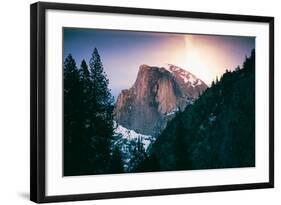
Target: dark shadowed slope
[{"x": 217, "y": 131}]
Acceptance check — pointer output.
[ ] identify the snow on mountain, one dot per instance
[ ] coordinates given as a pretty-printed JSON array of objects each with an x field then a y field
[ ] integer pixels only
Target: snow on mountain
[
  {"x": 186, "y": 76},
  {"x": 131, "y": 135},
  {"x": 126, "y": 140},
  {"x": 172, "y": 112}
]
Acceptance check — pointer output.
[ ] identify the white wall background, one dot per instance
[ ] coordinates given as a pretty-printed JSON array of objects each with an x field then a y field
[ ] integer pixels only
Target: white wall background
[{"x": 14, "y": 101}]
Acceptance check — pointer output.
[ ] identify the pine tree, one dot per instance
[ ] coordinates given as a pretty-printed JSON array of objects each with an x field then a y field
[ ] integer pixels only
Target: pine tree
[
  {"x": 116, "y": 161},
  {"x": 217, "y": 80},
  {"x": 84, "y": 72},
  {"x": 138, "y": 155},
  {"x": 101, "y": 93},
  {"x": 73, "y": 144},
  {"x": 213, "y": 84},
  {"x": 237, "y": 68},
  {"x": 101, "y": 119},
  {"x": 86, "y": 88},
  {"x": 71, "y": 92}
]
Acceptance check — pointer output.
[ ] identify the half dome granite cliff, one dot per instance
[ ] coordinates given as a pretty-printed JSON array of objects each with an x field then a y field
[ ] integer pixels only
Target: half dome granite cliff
[{"x": 156, "y": 95}]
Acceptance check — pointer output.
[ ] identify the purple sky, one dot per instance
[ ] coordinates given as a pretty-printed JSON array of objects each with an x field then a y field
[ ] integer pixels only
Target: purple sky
[{"x": 122, "y": 52}]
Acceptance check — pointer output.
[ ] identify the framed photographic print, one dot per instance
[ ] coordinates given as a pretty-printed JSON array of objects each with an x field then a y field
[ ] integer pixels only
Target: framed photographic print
[{"x": 129, "y": 102}]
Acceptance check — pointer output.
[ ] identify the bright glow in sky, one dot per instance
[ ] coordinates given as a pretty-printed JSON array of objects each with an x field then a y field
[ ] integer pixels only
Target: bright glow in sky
[{"x": 122, "y": 52}]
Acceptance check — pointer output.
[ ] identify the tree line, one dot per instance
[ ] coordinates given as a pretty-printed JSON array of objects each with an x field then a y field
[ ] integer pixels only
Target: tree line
[{"x": 88, "y": 119}]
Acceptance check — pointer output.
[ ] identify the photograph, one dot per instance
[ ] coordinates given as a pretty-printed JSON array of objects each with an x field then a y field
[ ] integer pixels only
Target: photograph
[{"x": 142, "y": 101}]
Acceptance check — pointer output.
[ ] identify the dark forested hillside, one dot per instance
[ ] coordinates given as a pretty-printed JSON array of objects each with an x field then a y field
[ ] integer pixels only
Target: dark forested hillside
[{"x": 217, "y": 131}]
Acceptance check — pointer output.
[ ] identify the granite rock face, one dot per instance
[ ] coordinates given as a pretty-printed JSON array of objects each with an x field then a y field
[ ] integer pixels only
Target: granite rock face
[{"x": 156, "y": 95}]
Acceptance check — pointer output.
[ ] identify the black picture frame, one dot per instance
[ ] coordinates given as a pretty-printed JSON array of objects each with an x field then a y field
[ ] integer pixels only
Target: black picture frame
[{"x": 38, "y": 101}]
